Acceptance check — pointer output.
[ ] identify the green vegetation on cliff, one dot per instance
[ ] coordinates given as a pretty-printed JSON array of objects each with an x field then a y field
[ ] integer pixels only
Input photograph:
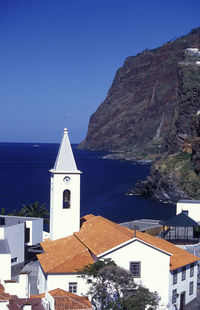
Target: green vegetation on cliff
[{"x": 178, "y": 167}]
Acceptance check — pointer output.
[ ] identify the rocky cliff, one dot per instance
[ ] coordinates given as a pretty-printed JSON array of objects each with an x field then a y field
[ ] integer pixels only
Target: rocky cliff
[{"x": 152, "y": 111}]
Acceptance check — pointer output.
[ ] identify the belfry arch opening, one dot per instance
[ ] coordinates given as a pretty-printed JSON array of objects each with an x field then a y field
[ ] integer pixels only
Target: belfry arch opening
[{"x": 66, "y": 199}]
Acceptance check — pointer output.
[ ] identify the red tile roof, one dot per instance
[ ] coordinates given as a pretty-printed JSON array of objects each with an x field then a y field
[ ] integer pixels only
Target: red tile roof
[
  {"x": 98, "y": 235},
  {"x": 65, "y": 255},
  {"x": 68, "y": 301}
]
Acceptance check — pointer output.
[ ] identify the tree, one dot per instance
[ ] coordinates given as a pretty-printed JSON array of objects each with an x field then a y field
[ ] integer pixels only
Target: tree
[
  {"x": 3, "y": 211},
  {"x": 113, "y": 287},
  {"x": 17, "y": 213},
  {"x": 141, "y": 299},
  {"x": 35, "y": 210}
]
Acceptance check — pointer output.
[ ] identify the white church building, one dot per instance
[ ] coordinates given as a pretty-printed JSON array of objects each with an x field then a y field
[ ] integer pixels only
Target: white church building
[{"x": 74, "y": 243}]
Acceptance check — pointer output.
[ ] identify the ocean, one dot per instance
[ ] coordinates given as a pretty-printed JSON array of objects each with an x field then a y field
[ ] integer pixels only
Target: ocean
[{"x": 25, "y": 178}]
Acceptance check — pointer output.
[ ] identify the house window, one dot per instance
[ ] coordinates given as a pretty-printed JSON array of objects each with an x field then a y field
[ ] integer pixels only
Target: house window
[
  {"x": 66, "y": 199},
  {"x": 135, "y": 269},
  {"x": 191, "y": 270},
  {"x": 191, "y": 285},
  {"x": 174, "y": 296},
  {"x": 73, "y": 287},
  {"x": 183, "y": 273},
  {"x": 175, "y": 277}
]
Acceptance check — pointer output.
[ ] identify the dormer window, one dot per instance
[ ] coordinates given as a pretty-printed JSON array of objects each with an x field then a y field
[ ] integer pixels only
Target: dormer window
[{"x": 66, "y": 199}]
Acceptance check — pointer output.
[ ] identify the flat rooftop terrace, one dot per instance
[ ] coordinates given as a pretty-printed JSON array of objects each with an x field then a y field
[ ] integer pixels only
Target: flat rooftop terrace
[{"x": 8, "y": 220}]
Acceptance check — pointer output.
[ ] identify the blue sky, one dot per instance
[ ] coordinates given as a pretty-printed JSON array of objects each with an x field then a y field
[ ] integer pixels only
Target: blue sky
[{"x": 59, "y": 57}]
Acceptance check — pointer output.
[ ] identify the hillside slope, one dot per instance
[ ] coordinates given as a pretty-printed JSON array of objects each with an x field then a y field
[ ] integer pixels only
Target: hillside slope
[{"x": 152, "y": 108}]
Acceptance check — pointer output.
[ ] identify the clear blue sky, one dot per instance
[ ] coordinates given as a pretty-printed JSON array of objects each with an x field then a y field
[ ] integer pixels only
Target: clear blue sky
[{"x": 59, "y": 57}]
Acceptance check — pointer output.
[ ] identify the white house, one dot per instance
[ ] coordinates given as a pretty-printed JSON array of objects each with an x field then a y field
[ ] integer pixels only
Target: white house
[
  {"x": 59, "y": 299},
  {"x": 55, "y": 300},
  {"x": 17, "y": 234},
  {"x": 190, "y": 208},
  {"x": 153, "y": 262}
]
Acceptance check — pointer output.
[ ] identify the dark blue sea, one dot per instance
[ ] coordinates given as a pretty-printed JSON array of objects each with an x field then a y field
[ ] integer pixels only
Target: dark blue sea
[{"x": 25, "y": 178}]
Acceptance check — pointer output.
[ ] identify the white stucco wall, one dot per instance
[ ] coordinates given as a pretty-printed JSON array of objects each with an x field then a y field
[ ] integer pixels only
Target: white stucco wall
[
  {"x": 154, "y": 266},
  {"x": 20, "y": 288},
  {"x": 183, "y": 285},
  {"x": 42, "y": 281},
  {"x": 5, "y": 266},
  {"x": 15, "y": 237},
  {"x": 193, "y": 208},
  {"x": 64, "y": 222},
  {"x": 61, "y": 281},
  {"x": 36, "y": 231}
]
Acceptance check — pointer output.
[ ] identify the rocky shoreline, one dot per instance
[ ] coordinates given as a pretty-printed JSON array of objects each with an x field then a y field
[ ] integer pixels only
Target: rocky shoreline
[
  {"x": 125, "y": 157},
  {"x": 158, "y": 188},
  {"x": 155, "y": 186}
]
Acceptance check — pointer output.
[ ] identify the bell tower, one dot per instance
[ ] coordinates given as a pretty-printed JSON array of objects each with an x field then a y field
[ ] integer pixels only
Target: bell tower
[{"x": 64, "y": 193}]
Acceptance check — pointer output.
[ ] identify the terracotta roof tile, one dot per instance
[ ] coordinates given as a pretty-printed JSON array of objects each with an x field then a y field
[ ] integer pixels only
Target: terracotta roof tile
[
  {"x": 69, "y": 301},
  {"x": 64, "y": 255},
  {"x": 98, "y": 235}
]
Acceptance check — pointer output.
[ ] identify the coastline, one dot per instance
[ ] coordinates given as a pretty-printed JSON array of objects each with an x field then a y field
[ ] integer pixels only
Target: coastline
[
  {"x": 155, "y": 187},
  {"x": 128, "y": 158}
]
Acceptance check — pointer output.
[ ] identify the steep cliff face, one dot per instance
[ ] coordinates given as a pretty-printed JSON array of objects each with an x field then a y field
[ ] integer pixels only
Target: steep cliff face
[
  {"x": 152, "y": 111},
  {"x": 146, "y": 111}
]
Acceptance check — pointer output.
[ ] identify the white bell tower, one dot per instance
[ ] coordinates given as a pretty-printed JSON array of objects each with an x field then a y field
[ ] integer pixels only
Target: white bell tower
[{"x": 64, "y": 193}]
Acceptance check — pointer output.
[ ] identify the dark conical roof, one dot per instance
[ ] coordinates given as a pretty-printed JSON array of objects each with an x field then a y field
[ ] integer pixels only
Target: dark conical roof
[{"x": 180, "y": 220}]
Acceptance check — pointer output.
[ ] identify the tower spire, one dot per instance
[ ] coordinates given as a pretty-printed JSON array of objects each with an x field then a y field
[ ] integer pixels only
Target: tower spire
[
  {"x": 65, "y": 159},
  {"x": 64, "y": 193}
]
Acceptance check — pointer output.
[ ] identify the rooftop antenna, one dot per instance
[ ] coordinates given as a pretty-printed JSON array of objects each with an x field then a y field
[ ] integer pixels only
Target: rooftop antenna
[{"x": 135, "y": 227}]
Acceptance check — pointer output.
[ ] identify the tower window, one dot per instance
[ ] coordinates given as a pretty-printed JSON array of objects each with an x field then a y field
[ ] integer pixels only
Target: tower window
[{"x": 66, "y": 199}]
